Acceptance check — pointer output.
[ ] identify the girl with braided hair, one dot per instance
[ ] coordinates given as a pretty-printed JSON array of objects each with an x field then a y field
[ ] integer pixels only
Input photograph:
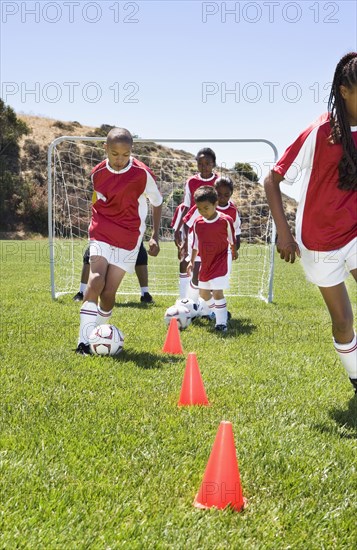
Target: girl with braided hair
[{"x": 324, "y": 158}]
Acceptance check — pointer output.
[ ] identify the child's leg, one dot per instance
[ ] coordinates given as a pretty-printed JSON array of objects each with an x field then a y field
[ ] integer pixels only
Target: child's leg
[
  {"x": 113, "y": 279},
  {"x": 207, "y": 297},
  {"x": 340, "y": 309},
  {"x": 184, "y": 281},
  {"x": 220, "y": 307},
  {"x": 88, "y": 312},
  {"x": 193, "y": 291}
]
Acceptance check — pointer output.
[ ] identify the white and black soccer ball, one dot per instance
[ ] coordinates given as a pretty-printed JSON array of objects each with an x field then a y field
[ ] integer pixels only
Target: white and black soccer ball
[
  {"x": 189, "y": 304},
  {"x": 106, "y": 340},
  {"x": 181, "y": 313}
]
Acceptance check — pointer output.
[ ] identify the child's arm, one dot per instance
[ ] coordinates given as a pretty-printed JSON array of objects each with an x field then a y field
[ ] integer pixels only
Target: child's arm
[
  {"x": 286, "y": 244},
  {"x": 234, "y": 251},
  {"x": 154, "y": 247},
  {"x": 191, "y": 263}
]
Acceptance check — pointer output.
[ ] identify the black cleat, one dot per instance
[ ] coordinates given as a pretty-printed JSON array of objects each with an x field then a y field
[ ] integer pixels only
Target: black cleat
[
  {"x": 78, "y": 297},
  {"x": 83, "y": 349},
  {"x": 221, "y": 328},
  {"x": 147, "y": 298}
]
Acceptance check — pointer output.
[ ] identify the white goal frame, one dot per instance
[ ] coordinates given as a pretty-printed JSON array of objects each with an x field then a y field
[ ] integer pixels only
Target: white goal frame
[{"x": 268, "y": 298}]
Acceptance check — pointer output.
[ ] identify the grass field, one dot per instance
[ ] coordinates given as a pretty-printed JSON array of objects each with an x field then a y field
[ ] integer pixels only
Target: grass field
[{"x": 95, "y": 453}]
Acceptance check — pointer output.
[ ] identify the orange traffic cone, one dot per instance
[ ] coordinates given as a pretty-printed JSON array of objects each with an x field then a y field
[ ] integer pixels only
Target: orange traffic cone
[
  {"x": 221, "y": 481},
  {"x": 192, "y": 391},
  {"x": 173, "y": 341}
]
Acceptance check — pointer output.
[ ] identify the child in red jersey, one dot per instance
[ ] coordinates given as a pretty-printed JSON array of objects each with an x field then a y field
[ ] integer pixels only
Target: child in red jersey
[
  {"x": 122, "y": 184},
  {"x": 213, "y": 232},
  {"x": 326, "y": 221},
  {"x": 224, "y": 188},
  {"x": 206, "y": 162}
]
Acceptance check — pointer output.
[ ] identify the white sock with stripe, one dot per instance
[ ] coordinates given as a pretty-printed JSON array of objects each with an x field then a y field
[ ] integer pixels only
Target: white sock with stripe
[
  {"x": 348, "y": 355},
  {"x": 103, "y": 316},
  {"x": 184, "y": 284},
  {"x": 220, "y": 310},
  {"x": 88, "y": 318},
  {"x": 193, "y": 292}
]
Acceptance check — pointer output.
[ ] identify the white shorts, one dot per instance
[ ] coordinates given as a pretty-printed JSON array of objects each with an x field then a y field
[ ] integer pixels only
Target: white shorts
[
  {"x": 125, "y": 259},
  {"x": 330, "y": 268},
  {"x": 219, "y": 283}
]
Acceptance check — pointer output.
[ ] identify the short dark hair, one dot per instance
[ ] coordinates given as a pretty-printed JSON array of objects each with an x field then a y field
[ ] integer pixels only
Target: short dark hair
[
  {"x": 226, "y": 181},
  {"x": 207, "y": 152},
  {"x": 120, "y": 135},
  {"x": 206, "y": 193}
]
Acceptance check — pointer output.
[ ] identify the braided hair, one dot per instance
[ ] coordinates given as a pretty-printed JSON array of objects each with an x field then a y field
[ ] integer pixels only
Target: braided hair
[{"x": 345, "y": 75}]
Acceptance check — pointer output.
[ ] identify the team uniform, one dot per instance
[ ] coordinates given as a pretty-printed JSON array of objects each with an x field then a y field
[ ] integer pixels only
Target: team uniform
[
  {"x": 230, "y": 210},
  {"x": 193, "y": 184},
  {"x": 211, "y": 238},
  {"x": 326, "y": 220},
  {"x": 119, "y": 211}
]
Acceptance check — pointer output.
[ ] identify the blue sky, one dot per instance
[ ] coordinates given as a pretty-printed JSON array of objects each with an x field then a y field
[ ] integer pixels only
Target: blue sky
[{"x": 177, "y": 69}]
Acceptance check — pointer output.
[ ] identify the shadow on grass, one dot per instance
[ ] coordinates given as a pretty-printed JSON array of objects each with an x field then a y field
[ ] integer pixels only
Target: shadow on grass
[
  {"x": 235, "y": 327},
  {"x": 135, "y": 305},
  {"x": 346, "y": 421},
  {"x": 347, "y": 418},
  {"x": 147, "y": 360}
]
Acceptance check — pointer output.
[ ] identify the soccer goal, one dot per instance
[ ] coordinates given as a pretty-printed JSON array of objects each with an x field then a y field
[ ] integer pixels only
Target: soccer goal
[{"x": 70, "y": 161}]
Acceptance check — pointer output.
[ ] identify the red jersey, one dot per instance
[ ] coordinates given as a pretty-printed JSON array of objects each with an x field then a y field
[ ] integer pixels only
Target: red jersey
[
  {"x": 120, "y": 209},
  {"x": 177, "y": 216},
  {"x": 326, "y": 217},
  {"x": 211, "y": 238},
  {"x": 194, "y": 183},
  {"x": 230, "y": 210}
]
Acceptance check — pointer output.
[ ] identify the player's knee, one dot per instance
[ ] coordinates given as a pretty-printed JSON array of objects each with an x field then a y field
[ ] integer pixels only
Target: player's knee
[
  {"x": 97, "y": 282},
  {"x": 343, "y": 324}
]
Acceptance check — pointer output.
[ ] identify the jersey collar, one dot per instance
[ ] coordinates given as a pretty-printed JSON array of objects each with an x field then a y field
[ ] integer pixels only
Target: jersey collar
[{"x": 120, "y": 171}]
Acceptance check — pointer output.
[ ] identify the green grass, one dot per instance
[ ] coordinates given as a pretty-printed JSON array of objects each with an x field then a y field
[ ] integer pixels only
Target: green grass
[{"x": 95, "y": 453}]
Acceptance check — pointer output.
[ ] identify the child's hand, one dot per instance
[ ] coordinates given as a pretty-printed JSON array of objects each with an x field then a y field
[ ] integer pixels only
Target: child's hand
[
  {"x": 234, "y": 253},
  {"x": 154, "y": 248},
  {"x": 189, "y": 268},
  {"x": 287, "y": 247}
]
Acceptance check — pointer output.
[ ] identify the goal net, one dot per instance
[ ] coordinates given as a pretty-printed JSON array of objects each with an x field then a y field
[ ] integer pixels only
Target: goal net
[{"x": 70, "y": 161}]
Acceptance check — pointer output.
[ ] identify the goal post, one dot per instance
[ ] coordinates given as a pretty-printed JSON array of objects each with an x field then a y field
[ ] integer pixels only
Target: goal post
[{"x": 70, "y": 161}]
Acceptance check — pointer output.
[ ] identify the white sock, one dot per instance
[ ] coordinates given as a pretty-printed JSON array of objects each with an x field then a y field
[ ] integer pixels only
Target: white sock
[
  {"x": 83, "y": 287},
  {"x": 348, "y": 355},
  {"x": 184, "y": 284},
  {"x": 103, "y": 316},
  {"x": 144, "y": 289},
  {"x": 220, "y": 310},
  {"x": 207, "y": 306},
  {"x": 193, "y": 292},
  {"x": 88, "y": 318}
]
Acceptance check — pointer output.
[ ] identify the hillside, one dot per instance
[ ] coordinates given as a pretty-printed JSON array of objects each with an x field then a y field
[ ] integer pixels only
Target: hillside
[{"x": 171, "y": 166}]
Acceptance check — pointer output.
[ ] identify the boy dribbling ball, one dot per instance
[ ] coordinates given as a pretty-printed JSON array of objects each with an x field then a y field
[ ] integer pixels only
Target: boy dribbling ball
[
  {"x": 326, "y": 221},
  {"x": 122, "y": 184}
]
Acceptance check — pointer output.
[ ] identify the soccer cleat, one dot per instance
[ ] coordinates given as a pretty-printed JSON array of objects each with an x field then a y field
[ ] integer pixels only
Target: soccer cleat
[
  {"x": 221, "y": 328},
  {"x": 83, "y": 349},
  {"x": 354, "y": 384},
  {"x": 78, "y": 297},
  {"x": 147, "y": 299}
]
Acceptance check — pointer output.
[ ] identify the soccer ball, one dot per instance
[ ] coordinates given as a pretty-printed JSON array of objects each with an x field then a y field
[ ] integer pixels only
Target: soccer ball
[
  {"x": 106, "y": 340},
  {"x": 181, "y": 313},
  {"x": 189, "y": 304}
]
